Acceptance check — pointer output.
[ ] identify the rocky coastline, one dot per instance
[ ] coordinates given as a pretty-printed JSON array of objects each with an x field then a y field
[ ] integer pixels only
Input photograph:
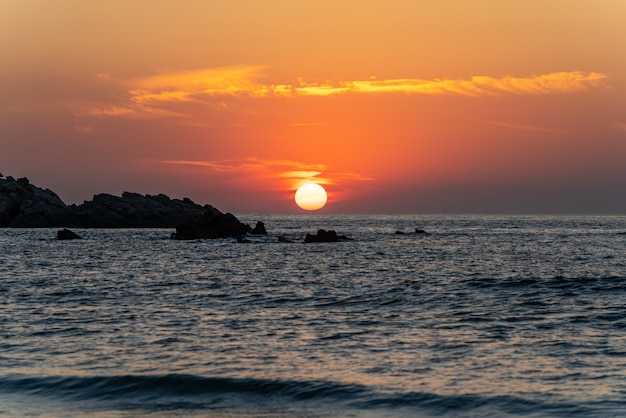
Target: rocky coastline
[{"x": 24, "y": 205}]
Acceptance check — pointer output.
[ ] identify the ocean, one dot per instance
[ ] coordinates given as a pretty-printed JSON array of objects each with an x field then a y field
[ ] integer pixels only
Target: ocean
[{"x": 482, "y": 316}]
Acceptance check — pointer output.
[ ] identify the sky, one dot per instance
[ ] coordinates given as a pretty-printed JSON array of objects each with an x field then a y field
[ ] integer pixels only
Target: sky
[{"x": 395, "y": 106}]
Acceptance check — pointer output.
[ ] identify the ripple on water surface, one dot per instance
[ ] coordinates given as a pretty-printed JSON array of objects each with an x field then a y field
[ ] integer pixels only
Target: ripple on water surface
[{"x": 485, "y": 316}]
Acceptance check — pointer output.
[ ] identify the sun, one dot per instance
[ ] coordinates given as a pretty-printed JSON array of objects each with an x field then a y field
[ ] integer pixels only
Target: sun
[{"x": 311, "y": 196}]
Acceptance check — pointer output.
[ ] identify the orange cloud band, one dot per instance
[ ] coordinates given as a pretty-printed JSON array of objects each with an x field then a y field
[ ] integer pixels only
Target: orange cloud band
[
  {"x": 290, "y": 174},
  {"x": 146, "y": 95},
  {"x": 229, "y": 81},
  {"x": 553, "y": 83}
]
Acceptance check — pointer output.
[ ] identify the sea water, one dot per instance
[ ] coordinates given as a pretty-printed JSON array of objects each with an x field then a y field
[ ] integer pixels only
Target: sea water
[{"x": 479, "y": 317}]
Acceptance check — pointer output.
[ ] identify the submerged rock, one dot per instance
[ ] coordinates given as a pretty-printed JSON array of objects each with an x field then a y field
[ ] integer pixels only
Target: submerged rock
[
  {"x": 324, "y": 236},
  {"x": 66, "y": 234},
  {"x": 209, "y": 225},
  {"x": 259, "y": 229}
]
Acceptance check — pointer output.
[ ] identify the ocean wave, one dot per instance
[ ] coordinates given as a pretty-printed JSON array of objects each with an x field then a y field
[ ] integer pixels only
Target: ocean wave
[
  {"x": 146, "y": 388},
  {"x": 231, "y": 394},
  {"x": 558, "y": 282}
]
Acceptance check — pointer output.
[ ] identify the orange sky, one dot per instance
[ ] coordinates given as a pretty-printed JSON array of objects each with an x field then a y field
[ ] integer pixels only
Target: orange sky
[{"x": 397, "y": 106}]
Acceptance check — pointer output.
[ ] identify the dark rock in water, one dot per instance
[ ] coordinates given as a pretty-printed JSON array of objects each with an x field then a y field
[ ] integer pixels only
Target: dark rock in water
[
  {"x": 420, "y": 231},
  {"x": 282, "y": 238},
  {"x": 66, "y": 234},
  {"x": 324, "y": 236},
  {"x": 259, "y": 229},
  {"x": 209, "y": 225},
  {"x": 399, "y": 233},
  {"x": 23, "y": 205}
]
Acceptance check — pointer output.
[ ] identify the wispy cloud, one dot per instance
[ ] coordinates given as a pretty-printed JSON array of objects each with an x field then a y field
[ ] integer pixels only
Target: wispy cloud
[
  {"x": 213, "y": 81},
  {"x": 517, "y": 126},
  {"x": 131, "y": 111},
  {"x": 552, "y": 83},
  {"x": 84, "y": 129},
  {"x": 289, "y": 174},
  {"x": 148, "y": 96}
]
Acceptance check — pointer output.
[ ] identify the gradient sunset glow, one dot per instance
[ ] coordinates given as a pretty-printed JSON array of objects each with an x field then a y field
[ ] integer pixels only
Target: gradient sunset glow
[{"x": 397, "y": 106}]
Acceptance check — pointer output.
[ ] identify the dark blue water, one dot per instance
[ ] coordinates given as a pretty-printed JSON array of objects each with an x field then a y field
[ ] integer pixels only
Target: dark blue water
[{"x": 481, "y": 317}]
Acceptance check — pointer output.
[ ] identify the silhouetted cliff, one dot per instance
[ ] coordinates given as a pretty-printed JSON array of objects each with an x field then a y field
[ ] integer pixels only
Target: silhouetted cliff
[{"x": 23, "y": 205}]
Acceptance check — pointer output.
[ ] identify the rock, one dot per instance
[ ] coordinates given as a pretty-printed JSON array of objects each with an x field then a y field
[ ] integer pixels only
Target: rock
[
  {"x": 259, "y": 229},
  {"x": 324, "y": 236},
  {"x": 420, "y": 231},
  {"x": 133, "y": 210},
  {"x": 209, "y": 225},
  {"x": 23, "y": 205},
  {"x": 282, "y": 238},
  {"x": 399, "y": 233},
  {"x": 66, "y": 234}
]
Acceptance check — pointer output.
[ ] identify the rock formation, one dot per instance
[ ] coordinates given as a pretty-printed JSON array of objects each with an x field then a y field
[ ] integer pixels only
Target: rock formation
[
  {"x": 23, "y": 205},
  {"x": 211, "y": 224},
  {"x": 66, "y": 234},
  {"x": 133, "y": 210},
  {"x": 324, "y": 236},
  {"x": 259, "y": 229}
]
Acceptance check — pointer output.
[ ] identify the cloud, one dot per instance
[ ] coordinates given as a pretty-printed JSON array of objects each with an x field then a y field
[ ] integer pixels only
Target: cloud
[
  {"x": 149, "y": 97},
  {"x": 552, "y": 83},
  {"x": 517, "y": 126},
  {"x": 85, "y": 129},
  {"x": 130, "y": 111},
  {"x": 287, "y": 174},
  {"x": 211, "y": 81},
  {"x": 317, "y": 90},
  {"x": 303, "y": 175}
]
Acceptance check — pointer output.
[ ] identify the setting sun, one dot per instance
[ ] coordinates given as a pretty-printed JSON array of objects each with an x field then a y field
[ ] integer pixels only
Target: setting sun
[{"x": 311, "y": 196}]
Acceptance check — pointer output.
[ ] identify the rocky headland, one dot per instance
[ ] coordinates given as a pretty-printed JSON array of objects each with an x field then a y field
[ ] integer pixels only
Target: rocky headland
[{"x": 24, "y": 205}]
